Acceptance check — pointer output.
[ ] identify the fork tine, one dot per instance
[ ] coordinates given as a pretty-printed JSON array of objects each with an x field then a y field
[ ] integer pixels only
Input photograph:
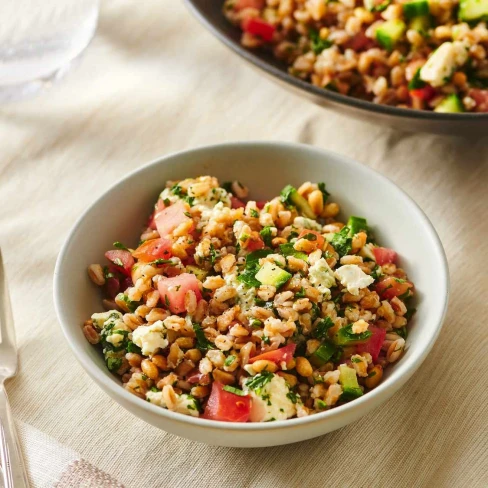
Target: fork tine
[{"x": 7, "y": 331}]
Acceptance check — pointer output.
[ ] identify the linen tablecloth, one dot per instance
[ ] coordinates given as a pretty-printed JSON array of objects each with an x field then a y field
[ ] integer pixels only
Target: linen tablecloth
[{"x": 154, "y": 81}]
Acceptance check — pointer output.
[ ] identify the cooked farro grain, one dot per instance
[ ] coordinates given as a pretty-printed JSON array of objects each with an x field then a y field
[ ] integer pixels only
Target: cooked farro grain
[
  {"x": 405, "y": 53},
  {"x": 270, "y": 311}
]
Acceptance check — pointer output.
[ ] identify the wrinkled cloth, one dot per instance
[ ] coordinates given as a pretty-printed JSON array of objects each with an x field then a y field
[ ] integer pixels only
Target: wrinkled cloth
[{"x": 154, "y": 81}]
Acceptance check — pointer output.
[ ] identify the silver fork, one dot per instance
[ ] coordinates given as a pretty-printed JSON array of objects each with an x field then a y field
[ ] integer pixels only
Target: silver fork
[{"x": 14, "y": 474}]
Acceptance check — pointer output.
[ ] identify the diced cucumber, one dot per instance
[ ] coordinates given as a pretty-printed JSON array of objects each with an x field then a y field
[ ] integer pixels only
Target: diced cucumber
[
  {"x": 346, "y": 337},
  {"x": 201, "y": 274},
  {"x": 471, "y": 10},
  {"x": 389, "y": 33},
  {"x": 416, "y": 8},
  {"x": 357, "y": 224},
  {"x": 323, "y": 354},
  {"x": 349, "y": 382},
  {"x": 290, "y": 195},
  {"x": 421, "y": 24},
  {"x": 450, "y": 105},
  {"x": 272, "y": 274}
]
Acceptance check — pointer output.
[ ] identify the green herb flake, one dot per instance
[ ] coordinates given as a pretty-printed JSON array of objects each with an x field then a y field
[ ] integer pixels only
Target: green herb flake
[
  {"x": 317, "y": 43},
  {"x": 342, "y": 242},
  {"x": 229, "y": 360},
  {"x": 235, "y": 391},
  {"x": 202, "y": 342},
  {"x": 322, "y": 328},
  {"x": 119, "y": 245},
  {"x": 267, "y": 235},
  {"x": 254, "y": 213},
  {"x": 259, "y": 381},
  {"x": 293, "y": 397},
  {"x": 325, "y": 193}
]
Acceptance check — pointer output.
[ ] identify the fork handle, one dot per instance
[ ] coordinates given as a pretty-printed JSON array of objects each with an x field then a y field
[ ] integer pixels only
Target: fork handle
[{"x": 14, "y": 472}]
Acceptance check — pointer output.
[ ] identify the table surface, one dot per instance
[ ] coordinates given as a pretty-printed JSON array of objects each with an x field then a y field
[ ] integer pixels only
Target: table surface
[{"x": 154, "y": 81}]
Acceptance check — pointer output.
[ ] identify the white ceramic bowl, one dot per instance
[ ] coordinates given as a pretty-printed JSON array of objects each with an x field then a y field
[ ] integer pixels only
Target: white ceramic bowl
[{"x": 265, "y": 168}]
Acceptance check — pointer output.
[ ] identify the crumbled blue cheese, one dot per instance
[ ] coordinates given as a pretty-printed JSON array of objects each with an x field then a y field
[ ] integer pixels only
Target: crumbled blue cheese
[
  {"x": 213, "y": 198},
  {"x": 443, "y": 62},
  {"x": 116, "y": 339},
  {"x": 150, "y": 338},
  {"x": 304, "y": 223},
  {"x": 99, "y": 319},
  {"x": 245, "y": 296},
  {"x": 272, "y": 401},
  {"x": 185, "y": 404},
  {"x": 353, "y": 278},
  {"x": 321, "y": 276}
]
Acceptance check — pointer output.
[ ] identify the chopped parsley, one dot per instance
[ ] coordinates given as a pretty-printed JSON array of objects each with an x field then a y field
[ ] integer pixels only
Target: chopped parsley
[
  {"x": 371, "y": 374},
  {"x": 255, "y": 323},
  {"x": 214, "y": 254},
  {"x": 166, "y": 300},
  {"x": 288, "y": 250},
  {"x": 325, "y": 193},
  {"x": 131, "y": 305},
  {"x": 131, "y": 347},
  {"x": 342, "y": 242},
  {"x": 248, "y": 277},
  {"x": 235, "y": 391},
  {"x": 321, "y": 404},
  {"x": 300, "y": 293},
  {"x": 267, "y": 235},
  {"x": 293, "y": 397},
  {"x": 317, "y": 43},
  {"x": 310, "y": 236},
  {"x": 119, "y": 245},
  {"x": 163, "y": 261},
  {"x": 254, "y": 213},
  {"x": 229, "y": 360},
  {"x": 322, "y": 328},
  {"x": 402, "y": 332},
  {"x": 356, "y": 360},
  {"x": 113, "y": 364},
  {"x": 286, "y": 194},
  {"x": 416, "y": 82},
  {"x": 259, "y": 381},
  {"x": 202, "y": 342}
]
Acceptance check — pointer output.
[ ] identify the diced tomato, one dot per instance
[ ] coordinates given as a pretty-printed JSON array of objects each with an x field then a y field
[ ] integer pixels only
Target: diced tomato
[
  {"x": 197, "y": 377},
  {"x": 226, "y": 406},
  {"x": 236, "y": 203},
  {"x": 159, "y": 206},
  {"x": 261, "y": 203},
  {"x": 390, "y": 287},
  {"x": 384, "y": 255},
  {"x": 242, "y": 4},
  {"x": 360, "y": 42},
  {"x": 373, "y": 346},
  {"x": 173, "y": 290},
  {"x": 425, "y": 93},
  {"x": 259, "y": 28},
  {"x": 154, "y": 249},
  {"x": 171, "y": 217},
  {"x": 123, "y": 260},
  {"x": 277, "y": 356},
  {"x": 481, "y": 98},
  {"x": 319, "y": 241},
  {"x": 112, "y": 287},
  {"x": 255, "y": 242}
]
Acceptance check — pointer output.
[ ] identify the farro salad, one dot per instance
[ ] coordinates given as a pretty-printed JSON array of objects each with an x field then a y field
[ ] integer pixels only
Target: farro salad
[
  {"x": 420, "y": 54},
  {"x": 250, "y": 311}
]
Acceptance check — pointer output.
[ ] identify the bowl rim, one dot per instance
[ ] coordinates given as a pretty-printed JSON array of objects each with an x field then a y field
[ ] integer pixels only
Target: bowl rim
[
  {"x": 363, "y": 105},
  {"x": 405, "y": 369}
]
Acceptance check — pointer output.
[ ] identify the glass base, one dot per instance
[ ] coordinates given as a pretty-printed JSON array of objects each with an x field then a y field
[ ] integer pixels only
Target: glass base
[{"x": 13, "y": 93}]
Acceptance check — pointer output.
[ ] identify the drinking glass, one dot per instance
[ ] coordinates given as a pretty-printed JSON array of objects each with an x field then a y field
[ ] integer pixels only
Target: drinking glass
[{"x": 39, "y": 40}]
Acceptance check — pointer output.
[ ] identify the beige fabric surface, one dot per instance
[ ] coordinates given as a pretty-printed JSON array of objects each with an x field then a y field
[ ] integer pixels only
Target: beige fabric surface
[{"x": 154, "y": 81}]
